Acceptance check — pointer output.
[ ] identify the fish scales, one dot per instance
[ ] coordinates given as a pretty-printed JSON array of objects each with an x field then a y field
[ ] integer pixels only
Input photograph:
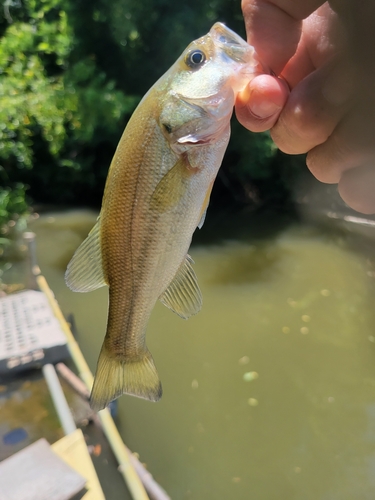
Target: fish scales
[{"x": 157, "y": 191}]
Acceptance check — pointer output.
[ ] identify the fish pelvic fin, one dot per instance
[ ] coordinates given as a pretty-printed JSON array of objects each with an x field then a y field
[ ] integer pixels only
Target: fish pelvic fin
[
  {"x": 183, "y": 295},
  {"x": 116, "y": 376},
  {"x": 205, "y": 206},
  {"x": 85, "y": 270}
]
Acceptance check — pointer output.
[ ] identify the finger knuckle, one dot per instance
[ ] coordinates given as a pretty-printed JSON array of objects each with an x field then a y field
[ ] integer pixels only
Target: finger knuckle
[
  {"x": 330, "y": 160},
  {"x": 300, "y": 129},
  {"x": 306, "y": 124}
]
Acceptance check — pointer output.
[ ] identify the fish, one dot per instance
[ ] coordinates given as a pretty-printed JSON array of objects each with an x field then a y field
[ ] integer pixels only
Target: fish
[{"x": 156, "y": 194}]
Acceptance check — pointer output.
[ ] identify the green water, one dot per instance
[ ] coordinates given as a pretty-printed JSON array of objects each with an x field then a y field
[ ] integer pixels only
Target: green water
[{"x": 269, "y": 392}]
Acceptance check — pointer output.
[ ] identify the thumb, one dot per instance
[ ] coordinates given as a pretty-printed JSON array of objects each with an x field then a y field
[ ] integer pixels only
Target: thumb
[{"x": 259, "y": 105}]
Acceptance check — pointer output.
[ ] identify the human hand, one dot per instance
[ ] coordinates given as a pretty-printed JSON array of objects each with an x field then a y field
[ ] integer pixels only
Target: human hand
[{"x": 326, "y": 59}]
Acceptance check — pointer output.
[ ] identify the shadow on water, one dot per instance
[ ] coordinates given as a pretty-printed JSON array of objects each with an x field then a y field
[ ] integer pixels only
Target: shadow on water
[
  {"x": 269, "y": 392},
  {"x": 247, "y": 264},
  {"x": 243, "y": 225}
]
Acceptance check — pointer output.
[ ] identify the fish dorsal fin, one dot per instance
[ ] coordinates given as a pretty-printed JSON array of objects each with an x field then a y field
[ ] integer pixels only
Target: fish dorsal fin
[
  {"x": 85, "y": 270},
  {"x": 171, "y": 188},
  {"x": 183, "y": 295}
]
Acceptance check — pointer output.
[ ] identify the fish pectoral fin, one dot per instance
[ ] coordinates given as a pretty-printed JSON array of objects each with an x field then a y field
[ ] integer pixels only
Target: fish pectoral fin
[
  {"x": 183, "y": 295},
  {"x": 116, "y": 376},
  {"x": 85, "y": 270},
  {"x": 172, "y": 187}
]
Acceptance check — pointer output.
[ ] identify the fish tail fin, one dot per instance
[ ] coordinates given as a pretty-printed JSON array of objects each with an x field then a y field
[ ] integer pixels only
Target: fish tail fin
[{"x": 120, "y": 375}]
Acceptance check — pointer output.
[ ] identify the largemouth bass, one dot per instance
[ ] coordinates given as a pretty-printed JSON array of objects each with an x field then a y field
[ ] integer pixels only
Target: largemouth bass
[{"x": 157, "y": 192}]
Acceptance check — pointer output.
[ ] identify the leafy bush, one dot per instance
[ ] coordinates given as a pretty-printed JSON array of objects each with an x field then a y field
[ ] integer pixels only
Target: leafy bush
[{"x": 12, "y": 203}]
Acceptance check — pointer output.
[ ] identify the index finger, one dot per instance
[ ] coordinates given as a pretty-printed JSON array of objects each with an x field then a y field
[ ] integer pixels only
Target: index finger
[{"x": 274, "y": 28}]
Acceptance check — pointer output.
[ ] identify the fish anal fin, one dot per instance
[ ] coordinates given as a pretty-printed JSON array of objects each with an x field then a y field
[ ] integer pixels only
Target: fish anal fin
[
  {"x": 183, "y": 295},
  {"x": 85, "y": 270},
  {"x": 172, "y": 187},
  {"x": 116, "y": 376}
]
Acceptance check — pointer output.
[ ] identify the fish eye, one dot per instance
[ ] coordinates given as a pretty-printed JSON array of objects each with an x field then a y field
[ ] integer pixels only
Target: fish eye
[{"x": 195, "y": 58}]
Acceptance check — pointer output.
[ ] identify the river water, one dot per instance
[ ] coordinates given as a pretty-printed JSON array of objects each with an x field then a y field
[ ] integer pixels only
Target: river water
[{"x": 269, "y": 392}]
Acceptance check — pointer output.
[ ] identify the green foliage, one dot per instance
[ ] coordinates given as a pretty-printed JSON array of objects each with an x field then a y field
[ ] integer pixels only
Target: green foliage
[
  {"x": 252, "y": 153},
  {"x": 30, "y": 99},
  {"x": 12, "y": 203},
  {"x": 51, "y": 106},
  {"x": 71, "y": 73},
  {"x": 98, "y": 101}
]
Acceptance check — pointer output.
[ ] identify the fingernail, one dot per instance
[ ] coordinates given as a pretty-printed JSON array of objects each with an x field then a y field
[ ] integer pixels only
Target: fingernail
[{"x": 264, "y": 109}]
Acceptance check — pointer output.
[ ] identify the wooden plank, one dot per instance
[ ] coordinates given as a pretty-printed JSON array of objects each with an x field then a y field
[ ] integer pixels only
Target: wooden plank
[
  {"x": 37, "y": 473},
  {"x": 119, "y": 449},
  {"x": 73, "y": 450}
]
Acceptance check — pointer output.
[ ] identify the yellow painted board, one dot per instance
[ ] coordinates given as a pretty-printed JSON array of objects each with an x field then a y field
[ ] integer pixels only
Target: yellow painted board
[
  {"x": 120, "y": 451},
  {"x": 73, "y": 450}
]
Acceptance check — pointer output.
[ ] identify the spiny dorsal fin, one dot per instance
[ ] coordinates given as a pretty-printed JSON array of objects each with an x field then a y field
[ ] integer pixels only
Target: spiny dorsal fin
[
  {"x": 183, "y": 295},
  {"x": 85, "y": 270},
  {"x": 171, "y": 187}
]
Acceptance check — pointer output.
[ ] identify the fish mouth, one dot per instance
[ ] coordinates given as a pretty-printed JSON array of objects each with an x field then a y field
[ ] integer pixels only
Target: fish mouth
[
  {"x": 237, "y": 49},
  {"x": 232, "y": 44}
]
